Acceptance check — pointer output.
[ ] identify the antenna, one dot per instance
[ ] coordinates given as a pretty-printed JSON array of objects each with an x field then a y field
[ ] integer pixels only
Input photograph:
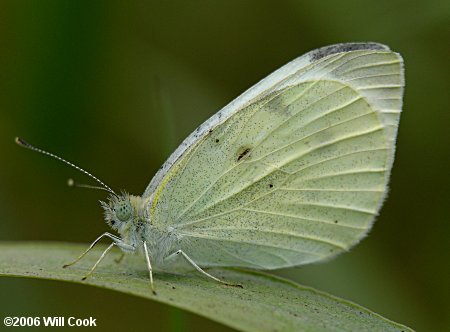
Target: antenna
[
  {"x": 72, "y": 183},
  {"x": 28, "y": 146}
]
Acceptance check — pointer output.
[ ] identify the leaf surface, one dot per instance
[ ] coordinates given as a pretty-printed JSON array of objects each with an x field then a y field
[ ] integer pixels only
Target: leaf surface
[{"x": 266, "y": 303}]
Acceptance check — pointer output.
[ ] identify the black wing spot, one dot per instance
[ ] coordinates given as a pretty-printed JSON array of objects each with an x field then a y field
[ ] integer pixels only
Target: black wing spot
[
  {"x": 271, "y": 185},
  {"x": 346, "y": 47},
  {"x": 217, "y": 140},
  {"x": 243, "y": 153}
]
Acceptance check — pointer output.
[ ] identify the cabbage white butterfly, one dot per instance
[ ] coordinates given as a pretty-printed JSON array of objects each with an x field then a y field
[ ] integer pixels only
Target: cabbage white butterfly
[{"x": 291, "y": 172}]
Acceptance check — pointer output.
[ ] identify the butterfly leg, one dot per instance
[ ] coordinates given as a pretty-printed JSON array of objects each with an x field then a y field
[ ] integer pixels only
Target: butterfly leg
[
  {"x": 99, "y": 260},
  {"x": 111, "y": 236},
  {"x": 198, "y": 268},
  {"x": 117, "y": 242},
  {"x": 149, "y": 266}
]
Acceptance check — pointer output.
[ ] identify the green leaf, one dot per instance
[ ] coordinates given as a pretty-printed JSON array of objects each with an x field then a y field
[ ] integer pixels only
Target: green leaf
[{"x": 266, "y": 303}]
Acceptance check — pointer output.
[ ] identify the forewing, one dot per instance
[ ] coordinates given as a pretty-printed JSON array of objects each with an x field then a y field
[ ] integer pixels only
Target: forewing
[{"x": 295, "y": 171}]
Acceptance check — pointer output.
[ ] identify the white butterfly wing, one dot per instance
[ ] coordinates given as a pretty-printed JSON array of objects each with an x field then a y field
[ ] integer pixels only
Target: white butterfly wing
[{"x": 294, "y": 170}]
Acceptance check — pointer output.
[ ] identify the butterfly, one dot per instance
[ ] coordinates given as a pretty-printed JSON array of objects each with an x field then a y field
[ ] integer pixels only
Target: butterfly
[{"x": 293, "y": 171}]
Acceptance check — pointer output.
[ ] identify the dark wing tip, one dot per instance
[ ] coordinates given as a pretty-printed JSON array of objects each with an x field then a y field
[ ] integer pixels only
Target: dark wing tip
[{"x": 345, "y": 47}]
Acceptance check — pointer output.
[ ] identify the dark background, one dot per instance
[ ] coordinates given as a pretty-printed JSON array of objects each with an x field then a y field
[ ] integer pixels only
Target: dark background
[{"x": 115, "y": 86}]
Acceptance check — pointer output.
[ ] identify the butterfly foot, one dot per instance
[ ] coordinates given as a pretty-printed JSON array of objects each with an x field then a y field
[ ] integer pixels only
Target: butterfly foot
[{"x": 235, "y": 285}]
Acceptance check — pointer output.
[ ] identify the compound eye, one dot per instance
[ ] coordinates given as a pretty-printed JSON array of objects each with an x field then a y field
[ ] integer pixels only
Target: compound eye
[{"x": 123, "y": 211}]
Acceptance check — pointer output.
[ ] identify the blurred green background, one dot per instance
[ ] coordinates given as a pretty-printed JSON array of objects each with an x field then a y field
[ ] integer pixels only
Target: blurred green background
[{"x": 115, "y": 86}]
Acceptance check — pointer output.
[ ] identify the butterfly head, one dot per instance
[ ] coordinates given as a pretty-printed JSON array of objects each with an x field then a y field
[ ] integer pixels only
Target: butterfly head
[{"x": 120, "y": 210}]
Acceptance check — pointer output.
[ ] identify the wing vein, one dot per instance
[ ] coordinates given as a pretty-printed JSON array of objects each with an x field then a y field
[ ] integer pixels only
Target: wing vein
[
  {"x": 288, "y": 234},
  {"x": 332, "y": 190},
  {"x": 370, "y": 65},
  {"x": 361, "y": 171},
  {"x": 202, "y": 236},
  {"x": 339, "y": 157},
  {"x": 320, "y": 131},
  {"x": 392, "y": 86},
  {"x": 370, "y": 76},
  {"x": 302, "y": 218}
]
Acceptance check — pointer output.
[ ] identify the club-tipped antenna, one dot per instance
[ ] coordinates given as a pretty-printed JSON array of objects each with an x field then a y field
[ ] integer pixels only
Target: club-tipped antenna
[
  {"x": 28, "y": 146},
  {"x": 72, "y": 183}
]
